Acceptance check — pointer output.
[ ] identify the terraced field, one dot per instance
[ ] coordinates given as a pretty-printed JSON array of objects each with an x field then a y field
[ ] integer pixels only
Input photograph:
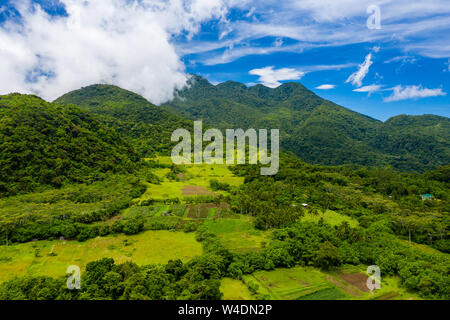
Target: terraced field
[{"x": 308, "y": 283}]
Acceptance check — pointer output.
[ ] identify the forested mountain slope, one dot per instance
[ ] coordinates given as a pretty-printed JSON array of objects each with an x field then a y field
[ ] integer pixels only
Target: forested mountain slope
[
  {"x": 147, "y": 127},
  {"x": 317, "y": 130},
  {"x": 44, "y": 144}
]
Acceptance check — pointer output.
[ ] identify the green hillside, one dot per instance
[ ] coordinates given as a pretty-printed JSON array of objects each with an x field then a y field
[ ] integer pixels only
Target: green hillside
[
  {"x": 147, "y": 127},
  {"x": 317, "y": 130},
  {"x": 44, "y": 144}
]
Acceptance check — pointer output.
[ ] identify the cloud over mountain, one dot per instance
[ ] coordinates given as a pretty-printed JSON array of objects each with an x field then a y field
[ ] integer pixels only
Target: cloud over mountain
[{"x": 101, "y": 41}]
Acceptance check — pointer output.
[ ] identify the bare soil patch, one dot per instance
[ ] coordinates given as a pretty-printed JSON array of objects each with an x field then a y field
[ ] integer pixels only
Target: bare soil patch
[
  {"x": 359, "y": 280},
  {"x": 340, "y": 285},
  {"x": 196, "y": 191}
]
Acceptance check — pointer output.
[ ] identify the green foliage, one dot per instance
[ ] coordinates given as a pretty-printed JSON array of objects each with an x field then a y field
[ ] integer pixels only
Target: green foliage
[
  {"x": 216, "y": 185},
  {"x": 146, "y": 127},
  {"x": 327, "y": 256},
  {"x": 45, "y": 145},
  {"x": 381, "y": 199},
  {"x": 68, "y": 212},
  {"x": 317, "y": 130},
  {"x": 105, "y": 280}
]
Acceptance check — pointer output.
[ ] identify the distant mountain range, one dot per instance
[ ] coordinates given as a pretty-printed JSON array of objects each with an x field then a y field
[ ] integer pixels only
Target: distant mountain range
[{"x": 317, "y": 130}]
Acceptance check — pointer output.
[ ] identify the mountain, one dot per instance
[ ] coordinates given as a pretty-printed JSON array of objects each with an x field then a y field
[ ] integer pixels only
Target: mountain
[
  {"x": 146, "y": 126},
  {"x": 317, "y": 130},
  {"x": 44, "y": 144}
]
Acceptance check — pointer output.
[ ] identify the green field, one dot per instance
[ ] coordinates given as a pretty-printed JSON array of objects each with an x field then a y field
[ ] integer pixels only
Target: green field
[
  {"x": 195, "y": 175},
  {"x": 308, "y": 283},
  {"x": 233, "y": 289},
  {"x": 53, "y": 257},
  {"x": 330, "y": 217},
  {"x": 238, "y": 235}
]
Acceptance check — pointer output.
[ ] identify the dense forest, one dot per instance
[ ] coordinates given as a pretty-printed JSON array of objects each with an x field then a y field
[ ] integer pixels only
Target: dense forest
[
  {"x": 316, "y": 130},
  {"x": 146, "y": 127},
  {"x": 44, "y": 144}
]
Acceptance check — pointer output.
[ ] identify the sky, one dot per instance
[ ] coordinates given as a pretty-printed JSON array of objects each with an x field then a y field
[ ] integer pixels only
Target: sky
[{"x": 377, "y": 57}]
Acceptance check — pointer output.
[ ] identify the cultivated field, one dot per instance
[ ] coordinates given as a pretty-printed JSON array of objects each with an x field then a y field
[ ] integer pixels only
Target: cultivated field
[
  {"x": 238, "y": 235},
  {"x": 53, "y": 257},
  {"x": 308, "y": 283},
  {"x": 195, "y": 181}
]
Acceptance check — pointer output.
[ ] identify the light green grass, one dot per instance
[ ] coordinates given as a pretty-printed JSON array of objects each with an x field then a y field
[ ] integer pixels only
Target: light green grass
[
  {"x": 311, "y": 283},
  {"x": 290, "y": 284},
  {"x": 144, "y": 248},
  {"x": 195, "y": 175},
  {"x": 238, "y": 235},
  {"x": 330, "y": 217},
  {"x": 233, "y": 289}
]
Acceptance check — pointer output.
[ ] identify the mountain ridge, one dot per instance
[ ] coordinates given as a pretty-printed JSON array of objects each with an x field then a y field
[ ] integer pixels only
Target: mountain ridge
[{"x": 315, "y": 129}]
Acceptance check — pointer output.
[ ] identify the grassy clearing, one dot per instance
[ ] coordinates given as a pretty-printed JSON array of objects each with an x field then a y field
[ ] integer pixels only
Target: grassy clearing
[
  {"x": 233, "y": 289},
  {"x": 34, "y": 258},
  {"x": 195, "y": 175},
  {"x": 238, "y": 235},
  {"x": 330, "y": 217}
]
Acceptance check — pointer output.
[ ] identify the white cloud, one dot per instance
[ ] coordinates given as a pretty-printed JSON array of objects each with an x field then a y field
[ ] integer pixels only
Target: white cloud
[
  {"x": 250, "y": 12},
  {"x": 419, "y": 28},
  {"x": 413, "y": 92},
  {"x": 271, "y": 78},
  {"x": 278, "y": 42},
  {"x": 326, "y": 87},
  {"x": 369, "y": 89},
  {"x": 403, "y": 59},
  {"x": 103, "y": 41},
  {"x": 357, "y": 77}
]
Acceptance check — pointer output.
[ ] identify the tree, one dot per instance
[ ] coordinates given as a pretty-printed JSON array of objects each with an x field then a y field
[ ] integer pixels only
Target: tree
[{"x": 327, "y": 256}]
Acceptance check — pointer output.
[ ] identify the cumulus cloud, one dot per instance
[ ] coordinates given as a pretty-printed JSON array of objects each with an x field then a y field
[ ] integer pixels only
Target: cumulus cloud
[
  {"x": 271, "y": 77},
  {"x": 369, "y": 89},
  {"x": 326, "y": 87},
  {"x": 357, "y": 77},
  {"x": 122, "y": 42},
  {"x": 413, "y": 92}
]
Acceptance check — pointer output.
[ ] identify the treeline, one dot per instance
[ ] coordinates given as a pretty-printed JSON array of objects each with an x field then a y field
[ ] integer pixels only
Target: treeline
[
  {"x": 307, "y": 244},
  {"x": 381, "y": 196},
  {"x": 105, "y": 280}
]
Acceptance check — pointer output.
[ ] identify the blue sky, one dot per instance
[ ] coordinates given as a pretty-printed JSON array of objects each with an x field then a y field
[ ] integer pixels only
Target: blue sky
[{"x": 401, "y": 67}]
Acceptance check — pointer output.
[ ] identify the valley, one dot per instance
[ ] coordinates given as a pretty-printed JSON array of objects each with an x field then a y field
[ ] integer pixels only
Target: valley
[{"x": 141, "y": 227}]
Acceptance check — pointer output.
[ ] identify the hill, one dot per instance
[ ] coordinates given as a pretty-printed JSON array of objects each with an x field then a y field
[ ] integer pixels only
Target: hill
[
  {"x": 317, "y": 130},
  {"x": 44, "y": 144},
  {"x": 146, "y": 126}
]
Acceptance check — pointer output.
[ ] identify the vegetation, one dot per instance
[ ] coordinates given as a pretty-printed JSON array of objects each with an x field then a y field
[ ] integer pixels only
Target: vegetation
[
  {"x": 45, "y": 145},
  {"x": 146, "y": 127},
  {"x": 147, "y": 247},
  {"x": 316, "y": 130},
  {"x": 105, "y": 280},
  {"x": 74, "y": 192}
]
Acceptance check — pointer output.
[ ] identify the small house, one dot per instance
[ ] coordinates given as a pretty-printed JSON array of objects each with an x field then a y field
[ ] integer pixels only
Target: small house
[{"x": 427, "y": 196}]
